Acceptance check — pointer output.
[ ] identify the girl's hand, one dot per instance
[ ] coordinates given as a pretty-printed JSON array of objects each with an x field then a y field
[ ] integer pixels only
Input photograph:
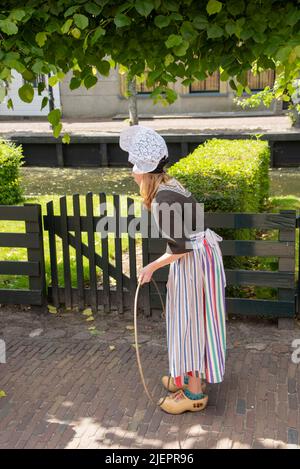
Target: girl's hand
[{"x": 146, "y": 274}]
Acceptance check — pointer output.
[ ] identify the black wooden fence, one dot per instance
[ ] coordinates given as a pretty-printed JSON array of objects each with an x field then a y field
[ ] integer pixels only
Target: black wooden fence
[
  {"x": 85, "y": 272},
  {"x": 92, "y": 291},
  {"x": 284, "y": 249},
  {"x": 32, "y": 240}
]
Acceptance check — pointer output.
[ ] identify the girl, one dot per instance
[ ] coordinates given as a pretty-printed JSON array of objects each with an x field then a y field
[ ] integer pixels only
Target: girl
[{"x": 195, "y": 300}]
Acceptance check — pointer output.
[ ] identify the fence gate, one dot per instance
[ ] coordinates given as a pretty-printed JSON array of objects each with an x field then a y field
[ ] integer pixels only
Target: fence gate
[
  {"x": 32, "y": 240},
  {"x": 87, "y": 268}
]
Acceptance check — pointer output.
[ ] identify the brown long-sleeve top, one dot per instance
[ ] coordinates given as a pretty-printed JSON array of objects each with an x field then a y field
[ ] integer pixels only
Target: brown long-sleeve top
[{"x": 175, "y": 226}]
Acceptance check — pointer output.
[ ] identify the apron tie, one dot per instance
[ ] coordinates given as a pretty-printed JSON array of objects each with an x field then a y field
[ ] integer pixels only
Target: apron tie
[{"x": 211, "y": 236}]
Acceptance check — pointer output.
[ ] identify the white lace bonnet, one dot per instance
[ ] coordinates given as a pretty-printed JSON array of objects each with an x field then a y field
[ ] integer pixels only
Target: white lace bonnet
[{"x": 145, "y": 146}]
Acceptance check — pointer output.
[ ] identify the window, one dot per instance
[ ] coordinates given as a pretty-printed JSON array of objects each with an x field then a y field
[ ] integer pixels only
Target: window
[
  {"x": 261, "y": 80},
  {"x": 210, "y": 84}
]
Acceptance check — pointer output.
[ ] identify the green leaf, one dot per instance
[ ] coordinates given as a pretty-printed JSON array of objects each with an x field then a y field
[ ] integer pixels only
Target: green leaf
[
  {"x": 214, "y": 30},
  {"x": 297, "y": 50},
  {"x": 240, "y": 89},
  {"x": 104, "y": 67},
  {"x": 38, "y": 67},
  {"x": 44, "y": 102},
  {"x": 97, "y": 34},
  {"x": 71, "y": 10},
  {"x": 26, "y": 93},
  {"x": 53, "y": 80},
  {"x": 41, "y": 38},
  {"x": 173, "y": 41},
  {"x": 5, "y": 73},
  {"x": 66, "y": 26},
  {"x": 230, "y": 27},
  {"x": 92, "y": 8},
  {"x": 200, "y": 22},
  {"x": 187, "y": 82},
  {"x": 81, "y": 21},
  {"x": 224, "y": 76},
  {"x": 27, "y": 75},
  {"x": 200, "y": 75},
  {"x": 2, "y": 93},
  {"x": 235, "y": 7},
  {"x": 171, "y": 5},
  {"x": 2, "y": 393},
  {"x": 169, "y": 59},
  {"x": 10, "y": 104},
  {"x": 162, "y": 21},
  {"x": 176, "y": 17},
  {"x": 13, "y": 63},
  {"x": 90, "y": 81},
  {"x": 66, "y": 138},
  {"x": 292, "y": 56},
  {"x": 17, "y": 14},
  {"x": 54, "y": 117},
  {"x": 232, "y": 85},
  {"x": 187, "y": 31},
  {"x": 213, "y": 7},
  {"x": 74, "y": 83},
  {"x": 283, "y": 53},
  {"x": 144, "y": 7},
  {"x": 181, "y": 49},
  {"x": 76, "y": 33},
  {"x": 41, "y": 87},
  {"x": 246, "y": 33},
  {"x": 57, "y": 129},
  {"x": 122, "y": 20},
  {"x": 8, "y": 27}
]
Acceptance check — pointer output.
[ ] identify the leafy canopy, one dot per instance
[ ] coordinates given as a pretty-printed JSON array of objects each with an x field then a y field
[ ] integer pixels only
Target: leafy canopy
[{"x": 185, "y": 40}]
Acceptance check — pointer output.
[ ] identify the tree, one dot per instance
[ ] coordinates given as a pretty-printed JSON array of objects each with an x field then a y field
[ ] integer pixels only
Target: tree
[{"x": 175, "y": 40}]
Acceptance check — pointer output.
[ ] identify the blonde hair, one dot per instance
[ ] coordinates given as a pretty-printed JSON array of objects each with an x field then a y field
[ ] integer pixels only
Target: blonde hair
[{"x": 149, "y": 186}]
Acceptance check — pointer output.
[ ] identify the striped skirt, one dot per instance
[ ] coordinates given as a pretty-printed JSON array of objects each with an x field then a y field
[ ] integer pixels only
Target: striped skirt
[{"x": 195, "y": 311}]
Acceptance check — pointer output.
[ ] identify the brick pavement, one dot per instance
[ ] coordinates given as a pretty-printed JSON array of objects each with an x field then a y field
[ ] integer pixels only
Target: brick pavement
[{"x": 67, "y": 389}]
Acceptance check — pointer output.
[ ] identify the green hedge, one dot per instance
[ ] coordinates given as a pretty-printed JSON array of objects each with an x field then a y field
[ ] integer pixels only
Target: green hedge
[
  {"x": 227, "y": 175},
  {"x": 10, "y": 161}
]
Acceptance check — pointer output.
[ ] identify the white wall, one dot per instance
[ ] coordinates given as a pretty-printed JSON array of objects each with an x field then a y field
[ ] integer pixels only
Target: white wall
[{"x": 27, "y": 109}]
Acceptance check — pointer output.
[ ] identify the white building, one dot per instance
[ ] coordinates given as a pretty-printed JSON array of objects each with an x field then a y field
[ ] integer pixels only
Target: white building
[{"x": 106, "y": 99}]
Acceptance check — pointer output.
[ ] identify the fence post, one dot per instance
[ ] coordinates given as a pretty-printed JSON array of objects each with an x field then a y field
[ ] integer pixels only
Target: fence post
[
  {"x": 37, "y": 254},
  {"x": 287, "y": 264},
  {"x": 53, "y": 254},
  {"x": 298, "y": 278},
  {"x": 145, "y": 248}
]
